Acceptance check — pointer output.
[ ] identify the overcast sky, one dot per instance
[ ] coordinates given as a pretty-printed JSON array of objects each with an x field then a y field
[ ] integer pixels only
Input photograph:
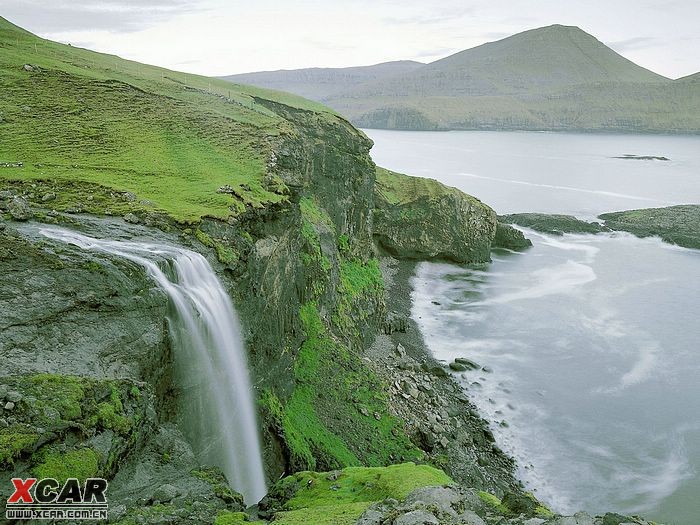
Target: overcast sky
[{"x": 218, "y": 37}]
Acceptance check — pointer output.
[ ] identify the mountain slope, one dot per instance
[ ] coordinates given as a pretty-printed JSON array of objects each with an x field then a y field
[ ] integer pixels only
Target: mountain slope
[
  {"x": 551, "y": 78},
  {"x": 170, "y": 138},
  {"x": 322, "y": 83}
]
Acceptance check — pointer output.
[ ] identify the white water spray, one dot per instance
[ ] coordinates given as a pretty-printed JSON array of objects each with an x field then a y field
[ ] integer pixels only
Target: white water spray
[{"x": 210, "y": 357}]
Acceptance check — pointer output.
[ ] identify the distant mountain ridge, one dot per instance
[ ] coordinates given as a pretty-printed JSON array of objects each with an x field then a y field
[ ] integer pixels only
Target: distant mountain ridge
[
  {"x": 319, "y": 83},
  {"x": 551, "y": 78}
]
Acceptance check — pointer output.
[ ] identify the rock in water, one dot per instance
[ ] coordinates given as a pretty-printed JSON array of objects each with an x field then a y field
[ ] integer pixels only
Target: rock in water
[
  {"x": 19, "y": 209},
  {"x": 418, "y": 218},
  {"x": 552, "y": 224},
  {"x": 510, "y": 238}
]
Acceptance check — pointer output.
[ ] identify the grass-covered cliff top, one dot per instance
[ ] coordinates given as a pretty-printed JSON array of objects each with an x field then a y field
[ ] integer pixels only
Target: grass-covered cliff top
[
  {"x": 69, "y": 114},
  {"x": 399, "y": 189}
]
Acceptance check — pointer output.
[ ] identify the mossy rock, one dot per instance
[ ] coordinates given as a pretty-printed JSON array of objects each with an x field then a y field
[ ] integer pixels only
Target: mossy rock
[{"x": 341, "y": 496}]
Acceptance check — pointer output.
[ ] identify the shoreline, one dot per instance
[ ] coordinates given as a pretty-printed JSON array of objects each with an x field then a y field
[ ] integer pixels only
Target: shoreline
[{"x": 439, "y": 415}]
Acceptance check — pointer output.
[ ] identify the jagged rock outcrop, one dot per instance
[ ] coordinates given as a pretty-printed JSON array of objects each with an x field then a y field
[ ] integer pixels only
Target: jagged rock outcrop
[
  {"x": 553, "y": 224},
  {"x": 418, "y": 218}
]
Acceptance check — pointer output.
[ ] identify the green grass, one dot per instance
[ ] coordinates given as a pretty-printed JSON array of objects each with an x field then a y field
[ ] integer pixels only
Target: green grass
[
  {"x": 397, "y": 188},
  {"x": 340, "y": 497},
  {"x": 341, "y": 514},
  {"x": 170, "y": 138}
]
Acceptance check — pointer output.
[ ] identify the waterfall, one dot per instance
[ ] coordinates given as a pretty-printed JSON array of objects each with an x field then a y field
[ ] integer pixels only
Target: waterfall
[{"x": 219, "y": 409}]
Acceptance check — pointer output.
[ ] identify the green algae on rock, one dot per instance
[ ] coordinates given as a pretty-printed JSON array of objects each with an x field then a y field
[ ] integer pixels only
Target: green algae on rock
[
  {"x": 675, "y": 224},
  {"x": 552, "y": 224}
]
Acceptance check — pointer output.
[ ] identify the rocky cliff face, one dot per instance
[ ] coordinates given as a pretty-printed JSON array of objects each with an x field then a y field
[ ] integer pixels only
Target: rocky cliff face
[
  {"x": 423, "y": 219},
  {"x": 307, "y": 285}
]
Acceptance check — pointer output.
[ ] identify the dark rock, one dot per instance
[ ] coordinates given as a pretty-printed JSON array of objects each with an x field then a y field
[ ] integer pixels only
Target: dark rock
[
  {"x": 13, "y": 396},
  {"x": 417, "y": 517},
  {"x": 395, "y": 323},
  {"x": 615, "y": 519},
  {"x": 19, "y": 209},
  {"x": 675, "y": 224},
  {"x": 131, "y": 218},
  {"x": 468, "y": 363},
  {"x": 458, "y": 367},
  {"x": 510, "y": 238},
  {"x": 422, "y": 219},
  {"x": 553, "y": 224},
  {"x": 166, "y": 493},
  {"x": 438, "y": 371},
  {"x": 520, "y": 503}
]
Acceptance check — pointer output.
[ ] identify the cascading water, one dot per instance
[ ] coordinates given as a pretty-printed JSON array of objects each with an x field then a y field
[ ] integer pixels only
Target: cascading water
[{"x": 210, "y": 356}]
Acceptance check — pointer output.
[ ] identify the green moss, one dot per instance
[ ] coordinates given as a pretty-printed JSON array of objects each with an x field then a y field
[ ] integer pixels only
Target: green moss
[
  {"x": 64, "y": 393},
  {"x": 204, "y": 238},
  {"x": 312, "y": 213},
  {"x": 94, "y": 267},
  {"x": 108, "y": 417},
  {"x": 343, "y": 243},
  {"x": 543, "y": 512},
  {"x": 359, "y": 283},
  {"x": 14, "y": 441},
  {"x": 354, "y": 484},
  {"x": 80, "y": 463},
  {"x": 490, "y": 499},
  {"x": 397, "y": 189},
  {"x": 321, "y": 422},
  {"x": 217, "y": 480},
  {"x": 340, "y": 497},
  {"x": 342, "y": 514},
  {"x": 226, "y": 517},
  {"x": 225, "y": 254},
  {"x": 357, "y": 277}
]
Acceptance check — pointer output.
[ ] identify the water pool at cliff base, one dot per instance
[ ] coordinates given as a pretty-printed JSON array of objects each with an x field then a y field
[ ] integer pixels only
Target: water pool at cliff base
[{"x": 591, "y": 342}]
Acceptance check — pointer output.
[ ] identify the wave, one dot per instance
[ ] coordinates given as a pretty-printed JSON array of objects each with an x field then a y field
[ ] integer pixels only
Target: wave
[{"x": 561, "y": 279}]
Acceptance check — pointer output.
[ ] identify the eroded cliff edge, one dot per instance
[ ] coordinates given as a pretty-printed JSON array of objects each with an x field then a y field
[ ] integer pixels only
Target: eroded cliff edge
[{"x": 279, "y": 194}]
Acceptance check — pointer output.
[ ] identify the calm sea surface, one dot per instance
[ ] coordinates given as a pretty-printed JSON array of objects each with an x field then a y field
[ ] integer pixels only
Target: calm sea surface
[{"x": 593, "y": 341}]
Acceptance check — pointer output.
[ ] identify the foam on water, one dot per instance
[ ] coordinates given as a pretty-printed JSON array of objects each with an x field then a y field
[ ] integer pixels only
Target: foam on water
[{"x": 565, "y": 452}]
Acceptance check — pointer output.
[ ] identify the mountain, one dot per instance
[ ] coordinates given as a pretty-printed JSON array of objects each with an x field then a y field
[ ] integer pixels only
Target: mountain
[
  {"x": 322, "y": 83},
  {"x": 695, "y": 77},
  {"x": 551, "y": 78}
]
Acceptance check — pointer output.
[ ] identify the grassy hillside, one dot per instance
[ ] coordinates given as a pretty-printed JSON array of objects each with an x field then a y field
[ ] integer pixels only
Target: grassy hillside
[
  {"x": 323, "y": 83},
  {"x": 551, "y": 78},
  {"x": 172, "y": 139}
]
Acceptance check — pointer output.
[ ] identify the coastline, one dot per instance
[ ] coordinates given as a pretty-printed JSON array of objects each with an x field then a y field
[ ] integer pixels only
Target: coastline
[{"x": 439, "y": 416}]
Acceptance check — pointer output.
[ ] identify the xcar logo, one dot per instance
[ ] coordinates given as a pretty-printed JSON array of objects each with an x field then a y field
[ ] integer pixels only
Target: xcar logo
[{"x": 47, "y": 499}]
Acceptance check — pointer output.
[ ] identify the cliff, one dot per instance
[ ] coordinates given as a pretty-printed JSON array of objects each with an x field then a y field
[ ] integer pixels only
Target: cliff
[{"x": 279, "y": 194}]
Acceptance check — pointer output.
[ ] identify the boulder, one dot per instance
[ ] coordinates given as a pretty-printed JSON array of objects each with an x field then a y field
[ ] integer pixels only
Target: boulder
[
  {"x": 166, "y": 493},
  {"x": 19, "y": 209},
  {"x": 417, "y": 517},
  {"x": 416, "y": 218},
  {"x": 510, "y": 238}
]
